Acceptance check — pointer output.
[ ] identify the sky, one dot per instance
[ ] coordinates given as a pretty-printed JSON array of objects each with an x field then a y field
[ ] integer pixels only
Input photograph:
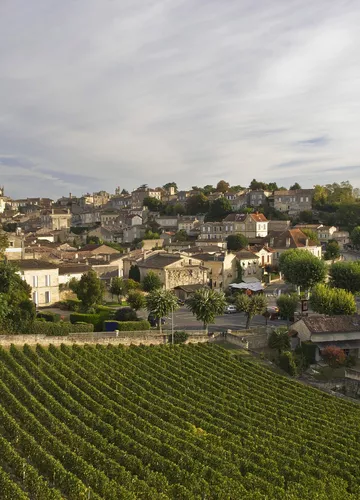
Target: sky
[{"x": 96, "y": 94}]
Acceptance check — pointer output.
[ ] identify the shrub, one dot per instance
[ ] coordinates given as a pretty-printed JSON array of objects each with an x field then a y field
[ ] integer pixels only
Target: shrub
[
  {"x": 179, "y": 337},
  {"x": 126, "y": 326},
  {"x": 287, "y": 363},
  {"x": 59, "y": 329},
  {"x": 95, "y": 319},
  {"x": 308, "y": 349},
  {"x": 100, "y": 309},
  {"x": 334, "y": 356},
  {"x": 126, "y": 314},
  {"x": 48, "y": 316},
  {"x": 70, "y": 305}
]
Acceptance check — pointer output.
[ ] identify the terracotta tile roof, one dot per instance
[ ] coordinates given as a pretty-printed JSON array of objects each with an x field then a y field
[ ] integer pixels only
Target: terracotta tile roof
[
  {"x": 258, "y": 217},
  {"x": 297, "y": 239},
  {"x": 333, "y": 324}
]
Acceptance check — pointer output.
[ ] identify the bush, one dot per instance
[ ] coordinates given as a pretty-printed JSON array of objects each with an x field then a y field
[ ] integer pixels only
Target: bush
[
  {"x": 126, "y": 314},
  {"x": 179, "y": 337},
  {"x": 59, "y": 329},
  {"x": 70, "y": 305},
  {"x": 334, "y": 356},
  {"x": 48, "y": 316},
  {"x": 100, "y": 309},
  {"x": 126, "y": 326},
  {"x": 95, "y": 319},
  {"x": 309, "y": 351},
  {"x": 287, "y": 363}
]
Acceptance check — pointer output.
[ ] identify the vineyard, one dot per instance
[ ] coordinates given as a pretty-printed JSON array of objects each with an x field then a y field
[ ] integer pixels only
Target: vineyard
[{"x": 179, "y": 422}]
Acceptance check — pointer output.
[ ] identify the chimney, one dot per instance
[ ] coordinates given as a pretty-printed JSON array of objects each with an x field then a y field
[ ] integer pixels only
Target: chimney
[{"x": 287, "y": 242}]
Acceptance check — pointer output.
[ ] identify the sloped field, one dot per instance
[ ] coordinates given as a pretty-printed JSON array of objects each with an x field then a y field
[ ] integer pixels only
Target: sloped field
[{"x": 177, "y": 422}]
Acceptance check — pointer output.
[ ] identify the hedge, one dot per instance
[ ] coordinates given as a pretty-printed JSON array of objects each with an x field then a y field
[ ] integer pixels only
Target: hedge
[
  {"x": 126, "y": 326},
  {"x": 95, "y": 319},
  {"x": 70, "y": 304},
  {"x": 58, "y": 329},
  {"x": 49, "y": 316}
]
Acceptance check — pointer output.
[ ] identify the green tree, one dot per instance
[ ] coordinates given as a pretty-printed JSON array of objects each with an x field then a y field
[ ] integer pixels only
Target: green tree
[
  {"x": 131, "y": 284},
  {"x": 302, "y": 268},
  {"x": 272, "y": 186},
  {"x": 219, "y": 208},
  {"x": 279, "y": 339},
  {"x": 134, "y": 273},
  {"x": 312, "y": 235},
  {"x": 236, "y": 242},
  {"x": 206, "y": 304},
  {"x": 287, "y": 305},
  {"x": 17, "y": 311},
  {"x": 251, "y": 306},
  {"x": 150, "y": 235},
  {"x": 332, "y": 251},
  {"x": 168, "y": 185},
  {"x": 161, "y": 303},
  {"x": 181, "y": 235},
  {"x": 117, "y": 287},
  {"x": 197, "y": 204},
  {"x": 332, "y": 301},
  {"x": 153, "y": 204},
  {"x": 287, "y": 363},
  {"x": 90, "y": 290},
  {"x": 320, "y": 196},
  {"x": 306, "y": 216},
  {"x": 208, "y": 189},
  {"x": 136, "y": 300},
  {"x": 4, "y": 242},
  {"x": 222, "y": 187},
  {"x": 255, "y": 185},
  {"x": 355, "y": 237},
  {"x": 151, "y": 282},
  {"x": 295, "y": 186},
  {"x": 345, "y": 275}
]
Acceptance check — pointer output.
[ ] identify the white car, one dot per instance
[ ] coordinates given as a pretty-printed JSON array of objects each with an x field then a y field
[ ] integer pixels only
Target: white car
[{"x": 230, "y": 309}]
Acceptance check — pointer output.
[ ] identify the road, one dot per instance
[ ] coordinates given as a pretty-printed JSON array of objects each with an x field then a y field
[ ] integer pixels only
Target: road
[{"x": 184, "y": 320}]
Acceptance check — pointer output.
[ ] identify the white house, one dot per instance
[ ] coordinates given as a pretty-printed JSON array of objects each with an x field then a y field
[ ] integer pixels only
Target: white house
[{"x": 43, "y": 277}]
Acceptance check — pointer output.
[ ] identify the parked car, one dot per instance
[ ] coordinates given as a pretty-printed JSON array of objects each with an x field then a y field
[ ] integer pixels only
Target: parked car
[
  {"x": 230, "y": 309},
  {"x": 181, "y": 302},
  {"x": 154, "y": 321},
  {"x": 272, "y": 312}
]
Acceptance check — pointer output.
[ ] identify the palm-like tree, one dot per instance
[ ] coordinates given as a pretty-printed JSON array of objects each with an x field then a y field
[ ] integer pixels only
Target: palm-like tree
[
  {"x": 251, "y": 306},
  {"x": 160, "y": 303},
  {"x": 205, "y": 304}
]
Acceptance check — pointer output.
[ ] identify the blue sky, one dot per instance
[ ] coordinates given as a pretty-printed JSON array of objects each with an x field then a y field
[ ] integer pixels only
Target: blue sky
[{"x": 100, "y": 93}]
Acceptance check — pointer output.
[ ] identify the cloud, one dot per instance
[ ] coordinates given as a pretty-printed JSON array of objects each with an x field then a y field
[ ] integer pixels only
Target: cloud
[{"x": 100, "y": 94}]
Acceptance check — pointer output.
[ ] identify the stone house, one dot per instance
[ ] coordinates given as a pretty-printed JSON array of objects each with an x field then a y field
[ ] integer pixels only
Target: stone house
[
  {"x": 258, "y": 197},
  {"x": 281, "y": 241},
  {"x": 110, "y": 234},
  {"x": 221, "y": 268},
  {"x": 167, "y": 222},
  {"x": 340, "y": 331},
  {"x": 138, "y": 196},
  {"x": 254, "y": 225},
  {"x": 188, "y": 223},
  {"x": 43, "y": 277},
  {"x": 174, "y": 269},
  {"x": 16, "y": 246},
  {"x": 183, "y": 292},
  {"x": 293, "y": 201},
  {"x": 109, "y": 217},
  {"x": 100, "y": 249},
  {"x": 131, "y": 233},
  {"x": 239, "y": 201},
  {"x": 70, "y": 271},
  {"x": 250, "y": 264},
  {"x": 56, "y": 219}
]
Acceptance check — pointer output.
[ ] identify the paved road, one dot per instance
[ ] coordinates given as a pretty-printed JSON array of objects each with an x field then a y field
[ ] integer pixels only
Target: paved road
[{"x": 184, "y": 319}]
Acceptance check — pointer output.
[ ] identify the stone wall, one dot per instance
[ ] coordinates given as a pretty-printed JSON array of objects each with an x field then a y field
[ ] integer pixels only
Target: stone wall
[
  {"x": 248, "y": 340},
  {"x": 124, "y": 338}
]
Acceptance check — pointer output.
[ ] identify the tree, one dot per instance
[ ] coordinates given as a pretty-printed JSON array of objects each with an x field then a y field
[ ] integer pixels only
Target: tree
[
  {"x": 161, "y": 303},
  {"x": 4, "y": 242},
  {"x": 332, "y": 301},
  {"x": 222, "y": 187},
  {"x": 255, "y": 185},
  {"x": 287, "y": 363},
  {"x": 306, "y": 216},
  {"x": 345, "y": 275},
  {"x": 312, "y": 235},
  {"x": 236, "y": 242},
  {"x": 153, "y": 204},
  {"x": 219, "y": 209},
  {"x": 117, "y": 287},
  {"x": 251, "y": 306},
  {"x": 181, "y": 235},
  {"x": 332, "y": 251},
  {"x": 206, "y": 304},
  {"x": 126, "y": 314},
  {"x": 287, "y": 305},
  {"x": 295, "y": 186},
  {"x": 279, "y": 339},
  {"x": 136, "y": 300},
  {"x": 302, "y": 268},
  {"x": 272, "y": 186},
  {"x": 334, "y": 356},
  {"x": 17, "y": 311},
  {"x": 169, "y": 185},
  {"x": 90, "y": 290},
  {"x": 355, "y": 237},
  {"x": 208, "y": 189},
  {"x": 197, "y": 204},
  {"x": 134, "y": 273},
  {"x": 151, "y": 282},
  {"x": 124, "y": 192},
  {"x": 131, "y": 284},
  {"x": 150, "y": 235}
]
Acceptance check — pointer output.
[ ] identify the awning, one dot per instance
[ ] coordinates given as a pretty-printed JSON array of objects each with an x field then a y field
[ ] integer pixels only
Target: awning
[{"x": 254, "y": 287}]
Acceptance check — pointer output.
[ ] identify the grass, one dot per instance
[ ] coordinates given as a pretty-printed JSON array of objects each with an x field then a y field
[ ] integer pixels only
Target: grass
[{"x": 327, "y": 373}]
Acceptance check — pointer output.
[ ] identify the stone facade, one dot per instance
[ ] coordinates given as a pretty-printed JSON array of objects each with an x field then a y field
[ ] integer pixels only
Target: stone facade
[
  {"x": 293, "y": 201},
  {"x": 43, "y": 278}
]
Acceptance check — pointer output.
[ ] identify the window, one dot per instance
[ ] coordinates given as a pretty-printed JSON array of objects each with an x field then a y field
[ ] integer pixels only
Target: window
[
  {"x": 307, "y": 198},
  {"x": 47, "y": 297},
  {"x": 35, "y": 297},
  {"x": 47, "y": 280},
  {"x": 279, "y": 199},
  {"x": 35, "y": 281},
  {"x": 301, "y": 199}
]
